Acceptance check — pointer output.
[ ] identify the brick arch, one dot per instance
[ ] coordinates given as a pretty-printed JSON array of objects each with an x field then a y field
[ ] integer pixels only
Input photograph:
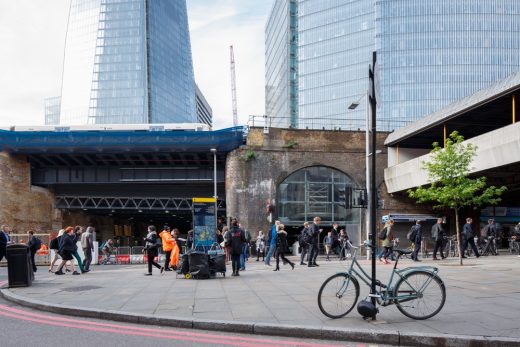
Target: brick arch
[{"x": 295, "y": 168}]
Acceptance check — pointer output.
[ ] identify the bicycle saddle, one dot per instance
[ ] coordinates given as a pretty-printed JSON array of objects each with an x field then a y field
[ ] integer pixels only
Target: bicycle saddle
[{"x": 403, "y": 251}]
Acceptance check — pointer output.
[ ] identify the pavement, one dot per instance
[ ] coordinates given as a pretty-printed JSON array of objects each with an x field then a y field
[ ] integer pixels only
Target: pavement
[{"x": 482, "y": 306}]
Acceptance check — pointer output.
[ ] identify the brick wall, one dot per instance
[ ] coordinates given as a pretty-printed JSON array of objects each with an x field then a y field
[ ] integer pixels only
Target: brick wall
[{"x": 23, "y": 206}]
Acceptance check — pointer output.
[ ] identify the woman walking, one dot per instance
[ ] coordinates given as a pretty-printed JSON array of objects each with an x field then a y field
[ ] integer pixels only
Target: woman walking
[
  {"x": 151, "y": 250},
  {"x": 281, "y": 247},
  {"x": 387, "y": 242},
  {"x": 55, "y": 246},
  {"x": 260, "y": 246},
  {"x": 66, "y": 250}
]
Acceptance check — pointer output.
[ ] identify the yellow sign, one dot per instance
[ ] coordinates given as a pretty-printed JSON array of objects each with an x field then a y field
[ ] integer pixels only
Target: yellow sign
[{"x": 203, "y": 199}]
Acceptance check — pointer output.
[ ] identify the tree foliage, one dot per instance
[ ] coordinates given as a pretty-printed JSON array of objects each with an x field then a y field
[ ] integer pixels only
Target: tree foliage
[{"x": 449, "y": 183}]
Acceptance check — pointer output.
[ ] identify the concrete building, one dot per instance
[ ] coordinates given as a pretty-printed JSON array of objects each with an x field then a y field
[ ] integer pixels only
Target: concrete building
[{"x": 430, "y": 53}]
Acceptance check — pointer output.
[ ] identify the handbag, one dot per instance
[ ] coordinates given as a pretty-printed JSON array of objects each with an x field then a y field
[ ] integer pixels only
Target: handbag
[{"x": 215, "y": 249}]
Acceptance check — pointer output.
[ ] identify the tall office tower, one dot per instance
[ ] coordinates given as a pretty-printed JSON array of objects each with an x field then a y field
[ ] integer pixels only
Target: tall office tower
[
  {"x": 434, "y": 52},
  {"x": 430, "y": 53},
  {"x": 281, "y": 66},
  {"x": 127, "y": 62},
  {"x": 204, "y": 111}
]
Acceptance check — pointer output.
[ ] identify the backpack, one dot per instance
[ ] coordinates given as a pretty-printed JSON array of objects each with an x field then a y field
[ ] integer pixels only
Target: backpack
[
  {"x": 382, "y": 234},
  {"x": 37, "y": 243},
  {"x": 307, "y": 237},
  {"x": 411, "y": 234}
]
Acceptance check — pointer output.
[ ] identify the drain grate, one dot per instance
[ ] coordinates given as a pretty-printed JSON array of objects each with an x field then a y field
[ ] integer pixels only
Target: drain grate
[{"x": 80, "y": 289}]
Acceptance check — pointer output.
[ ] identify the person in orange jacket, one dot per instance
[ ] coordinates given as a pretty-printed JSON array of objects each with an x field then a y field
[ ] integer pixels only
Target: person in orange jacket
[
  {"x": 174, "y": 259},
  {"x": 167, "y": 245}
]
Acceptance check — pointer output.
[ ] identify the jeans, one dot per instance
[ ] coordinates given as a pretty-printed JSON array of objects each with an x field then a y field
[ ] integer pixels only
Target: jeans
[
  {"x": 270, "y": 252},
  {"x": 80, "y": 263},
  {"x": 243, "y": 256},
  {"x": 33, "y": 262},
  {"x": 416, "y": 249},
  {"x": 151, "y": 254},
  {"x": 313, "y": 253},
  {"x": 167, "y": 256},
  {"x": 304, "y": 253},
  {"x": 472, "y": 244},
  {"x": 235, "y": 262},
  {"x": 438, "y": 247},
  {"x": 88, "y": 258}
]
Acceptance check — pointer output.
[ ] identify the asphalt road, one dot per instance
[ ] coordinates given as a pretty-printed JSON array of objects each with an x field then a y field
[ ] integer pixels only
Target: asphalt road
[{"x": 22, "y": 327}]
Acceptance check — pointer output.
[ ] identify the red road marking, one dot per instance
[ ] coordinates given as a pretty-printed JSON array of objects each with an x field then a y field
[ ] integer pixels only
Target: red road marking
[{"x": 147, "y": 332}]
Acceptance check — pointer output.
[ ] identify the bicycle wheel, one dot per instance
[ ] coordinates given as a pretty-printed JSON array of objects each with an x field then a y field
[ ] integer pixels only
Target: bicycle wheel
[
  {"x": 426, "y": 292},
  {"x": 338, "y": 295}
]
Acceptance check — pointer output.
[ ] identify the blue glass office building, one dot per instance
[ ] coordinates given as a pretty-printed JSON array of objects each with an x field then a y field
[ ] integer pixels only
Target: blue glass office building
[
  {"x": 128, "y": 62},
  {"x": 430, "y": 53}
]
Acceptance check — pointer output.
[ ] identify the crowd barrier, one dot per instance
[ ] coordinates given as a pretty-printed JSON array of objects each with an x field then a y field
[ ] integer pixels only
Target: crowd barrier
[{"x": 126, "y": 255}]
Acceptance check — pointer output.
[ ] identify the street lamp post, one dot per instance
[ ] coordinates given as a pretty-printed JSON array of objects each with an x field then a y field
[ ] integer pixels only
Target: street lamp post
[
  {"x": 214, "y": 151},
  {"x": 353, "y": 106}
]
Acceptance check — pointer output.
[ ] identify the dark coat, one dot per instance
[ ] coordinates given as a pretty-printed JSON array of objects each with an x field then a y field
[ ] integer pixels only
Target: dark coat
[
  {"x": 281, "y": 243},
  {"x": 418, "y": 234},
  {"x": 467, "y": 231},
  {"x": 438, "y": 232},
  {"x": 237, "y": 239},
  {"x": 315, "y": 233},
  {"x": 67, "y": 243}
]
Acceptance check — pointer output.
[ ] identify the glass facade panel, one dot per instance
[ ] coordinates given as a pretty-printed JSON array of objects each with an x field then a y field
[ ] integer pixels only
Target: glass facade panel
[
  {"x": 315, "y": 191},
  {"x": 281, "y": 73},
  {"x": 432, "y": 53},
  {"x": 128, "y": 62},
  {"x": 336, "y": 41}
]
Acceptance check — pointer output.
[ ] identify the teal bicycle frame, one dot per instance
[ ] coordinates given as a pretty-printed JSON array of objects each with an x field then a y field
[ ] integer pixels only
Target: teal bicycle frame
[{"x": 387, "y": 296}]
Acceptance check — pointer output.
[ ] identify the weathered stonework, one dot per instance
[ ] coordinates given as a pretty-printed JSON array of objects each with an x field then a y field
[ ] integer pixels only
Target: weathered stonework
[{"x": 22, "y": 205}]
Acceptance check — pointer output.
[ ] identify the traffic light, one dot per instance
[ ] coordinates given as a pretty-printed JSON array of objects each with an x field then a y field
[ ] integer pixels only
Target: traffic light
[{"x": 344, "y": 196}]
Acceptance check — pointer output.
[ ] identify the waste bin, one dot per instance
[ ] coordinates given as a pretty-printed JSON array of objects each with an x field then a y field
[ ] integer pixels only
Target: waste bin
[{"x": 19, "y": 267}]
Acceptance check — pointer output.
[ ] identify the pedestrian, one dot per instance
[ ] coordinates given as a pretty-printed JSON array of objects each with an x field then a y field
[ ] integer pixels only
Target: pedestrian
[
  {"x": 304, "y": 246},
  {"x": 245, "y": 249},
  {"x": 271, "y": 243},
  {"x": 176, "y": 249},
  {"x": 151, "y": 250},
  {"x": 314, "y": 231},
  {"x": 167, "y": 246},
  {"x": 189, "y": 240},
  {"x": 335, "y": 238},
  {"x": 55, "y": 246},
  {"x": 260, "y": 246},
  {"x": 467, "y": 238},
  {"x": 491, "y": 235},
  {"x": 237, "y": 238},
  {"x": 107, "y": 250},
  {"x": 386, "y": 243},
  {"x": 219, "y": 236},
  {"x": 328, "y": 241},
  {"x": 343, "y": 241},
  {"x": 416, "y": 239},
  {"x": 66, "y": 249},
  {"x": 281, "y": 248},
  {"x": 34, "y": 245},
  {"x": 4, "y": 240},
  {"x": 78, "y": 230},
  {"x": 438, "y": 235},
  {"x": 87, "y": 244},
  {"x": 227, "y": 244}
]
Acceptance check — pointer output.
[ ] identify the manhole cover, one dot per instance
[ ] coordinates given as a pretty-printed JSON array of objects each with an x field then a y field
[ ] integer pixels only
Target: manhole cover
[{"x": 80, "y": 289}]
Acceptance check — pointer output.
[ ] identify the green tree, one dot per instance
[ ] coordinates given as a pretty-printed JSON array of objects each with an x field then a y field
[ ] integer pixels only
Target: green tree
[{"x": 450, "y": 185}]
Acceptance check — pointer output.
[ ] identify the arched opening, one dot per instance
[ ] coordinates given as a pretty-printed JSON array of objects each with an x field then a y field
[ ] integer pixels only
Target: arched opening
[{"x": 317, "y": 191}]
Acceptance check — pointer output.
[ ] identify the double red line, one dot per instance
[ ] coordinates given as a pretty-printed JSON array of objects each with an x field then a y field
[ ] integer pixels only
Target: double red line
[{"x": 159, "y": 333}]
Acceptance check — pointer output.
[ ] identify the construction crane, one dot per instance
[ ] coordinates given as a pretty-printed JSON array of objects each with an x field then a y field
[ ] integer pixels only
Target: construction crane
[{"x": 233, "y": 87}]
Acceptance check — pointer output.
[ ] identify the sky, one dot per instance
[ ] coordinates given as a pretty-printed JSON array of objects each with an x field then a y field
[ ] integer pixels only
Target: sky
[{"x": 33, "y": 36}]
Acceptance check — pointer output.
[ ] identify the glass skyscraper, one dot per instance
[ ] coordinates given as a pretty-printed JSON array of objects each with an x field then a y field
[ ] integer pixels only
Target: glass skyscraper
[
  {"x": 434, "y": 52},
  {"x": 128, "y": 62},
  {"x": 281, "y": 78},
  {"x": 430, "y": 53}
]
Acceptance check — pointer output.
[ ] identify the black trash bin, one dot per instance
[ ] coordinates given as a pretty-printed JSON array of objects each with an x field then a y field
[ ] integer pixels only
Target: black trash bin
[{"x": 19, "y": 267}]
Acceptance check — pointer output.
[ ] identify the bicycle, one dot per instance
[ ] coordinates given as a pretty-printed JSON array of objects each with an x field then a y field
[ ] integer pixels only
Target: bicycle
[
  {"x": 418, "y": 292},
  {"x": 514, "y": 245}
]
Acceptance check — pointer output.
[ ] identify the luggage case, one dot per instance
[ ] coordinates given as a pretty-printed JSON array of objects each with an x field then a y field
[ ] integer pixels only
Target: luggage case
[
  {"x": 217, "y": 264},
  {"x": 198, "y": 265},
  {"x": 184, "y": 266}
]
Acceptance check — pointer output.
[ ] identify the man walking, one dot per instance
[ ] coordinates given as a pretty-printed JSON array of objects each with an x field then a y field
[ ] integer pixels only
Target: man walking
[
  {"x": 417, "y": 238},
  {"x": 4, "y": 240},
  {"x": 304, "y": 245},
  {"x": 491, "y": 234},
  {"x": 315, "y": 239},
  {"x": 438, "y": 234},
  {"x": 272, "y": 242},
  {"x": 467, "y": 237},
  {"x": 167, "y": 246},
  {"x": 87, "y": 243},
  {"x": 238, "y": 238},
  {"x": 34, "y": 245}
]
